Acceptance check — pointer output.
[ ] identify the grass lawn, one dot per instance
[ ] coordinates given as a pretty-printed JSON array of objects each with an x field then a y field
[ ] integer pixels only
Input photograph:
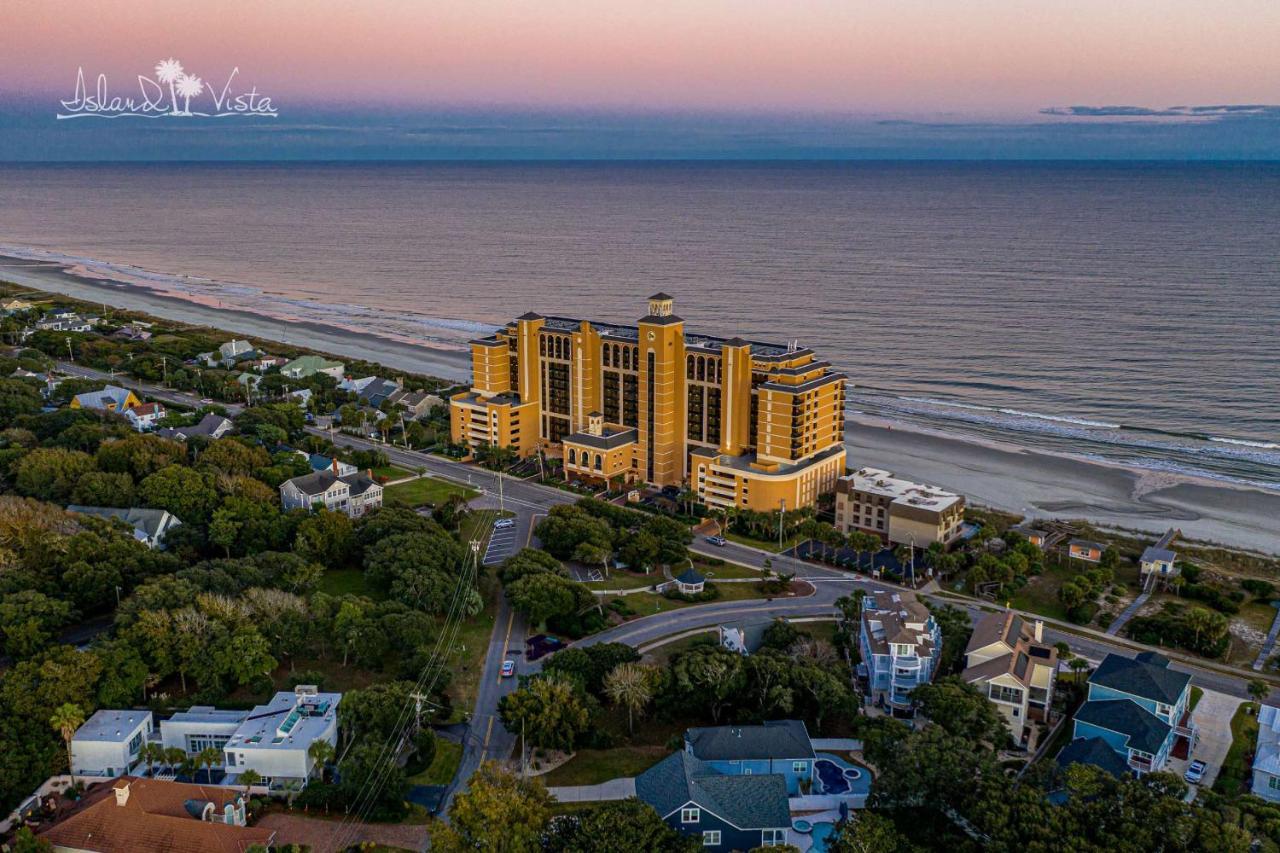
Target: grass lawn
[
  {"x": 593, "y": 766},
  {"x": 1237, "y": 766},
  {"x": 1196, "y": 693},
  {"x": 647, "y": 603},
  {"x": 664, "y": 653},
  {"x": 1040, "y": 595},
  {"x": 423, "y": 491},
  {"x": 625, "y": 580},
  {"x": 392, "y": 472},
  {"x": 727, "y": 570},
  {"x": 443, "y": 766},
  {"x": 1257, "y": 616},
  {"x": 762, "y": 544},
  {"x": 338, "y": 582}
]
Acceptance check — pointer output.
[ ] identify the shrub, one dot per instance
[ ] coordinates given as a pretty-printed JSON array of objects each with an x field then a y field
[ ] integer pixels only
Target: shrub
[{"x": 1258, "y": 588}]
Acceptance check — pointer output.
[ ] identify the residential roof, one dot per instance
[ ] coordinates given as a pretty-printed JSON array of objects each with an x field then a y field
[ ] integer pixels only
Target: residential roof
[
  {"x": 208, "y": 426},
  {"x": 1000, "y": 627},
  {"x": 147, "y": 409},
  {"x": 319, "y": 482},
  {"x": 900, "y": 491},
  {"x": 1145, "y": 730},
  {"x": 154, "y": 817},
  {"x": 311, "y": 362},
  {"x": 291, "y": 720},
  {"x": 1087, "y": 543},
  {"x": 1267, "y": 756},
  {"x": 894, "y": 619},
  {"x": 1095, "y": 751},
  {"x": 785, "y": 739},
  {"x": 1147, "y": 676},
  {"x": 151, "y": 522},
  {"x": 690, "y": 576},
  {"x": 1158, "y": 555},
  {"x": 99, "y": 399},
  {"x": 111, "y": 726},
  {"x": 746, "y": 802}
]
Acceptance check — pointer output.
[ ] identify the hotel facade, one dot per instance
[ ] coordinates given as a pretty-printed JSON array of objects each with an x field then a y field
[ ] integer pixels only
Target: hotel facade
[{"x": 744, "y": 423}]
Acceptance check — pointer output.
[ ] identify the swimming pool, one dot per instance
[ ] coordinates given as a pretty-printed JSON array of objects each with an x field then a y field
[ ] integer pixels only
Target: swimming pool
[
  {"x": 833, "y": 778},
  {"x": 821, "y": 832}
]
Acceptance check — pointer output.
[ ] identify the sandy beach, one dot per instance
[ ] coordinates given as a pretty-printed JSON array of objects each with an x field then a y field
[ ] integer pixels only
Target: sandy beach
[{"x": 998, "y": 475}]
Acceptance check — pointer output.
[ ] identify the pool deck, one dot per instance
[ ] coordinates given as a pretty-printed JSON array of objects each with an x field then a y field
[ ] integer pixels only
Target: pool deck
[{"x": 803, "y": 841}]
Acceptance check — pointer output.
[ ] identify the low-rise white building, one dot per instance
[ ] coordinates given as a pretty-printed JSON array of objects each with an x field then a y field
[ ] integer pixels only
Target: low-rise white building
[
  {"x": 200, "y": 727},
  {"x": 107, "y": 744},
  {"x": 355, "y": 494},
  {"x": 900, "y": 511},
  {"x": 275, "y": 738},
  {"x": 144, "y": 417}
]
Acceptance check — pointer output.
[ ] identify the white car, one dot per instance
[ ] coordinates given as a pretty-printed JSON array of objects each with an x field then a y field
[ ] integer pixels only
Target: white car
[
  {"x": 503, "y": 523},
  {"x": 1195, "y": 772}
]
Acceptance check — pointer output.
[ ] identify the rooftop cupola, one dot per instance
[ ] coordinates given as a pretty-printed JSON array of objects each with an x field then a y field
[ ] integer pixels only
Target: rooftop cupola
[{"x": 660, "y": 305}]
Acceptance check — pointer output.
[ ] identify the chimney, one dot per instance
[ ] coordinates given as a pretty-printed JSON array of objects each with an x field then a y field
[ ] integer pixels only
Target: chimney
[
  {"x": 335, "y": 465},
  {"x": 1039, "y": 629},
  {"x": 122, "y": 794}
]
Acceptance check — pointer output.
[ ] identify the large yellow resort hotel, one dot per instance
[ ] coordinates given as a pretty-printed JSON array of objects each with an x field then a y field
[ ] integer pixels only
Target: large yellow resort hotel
[{"x": 744, "y": 423}]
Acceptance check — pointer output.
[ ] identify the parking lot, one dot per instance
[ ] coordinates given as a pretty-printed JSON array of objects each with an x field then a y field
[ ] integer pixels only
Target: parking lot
[{"x": 503, "y": 542}]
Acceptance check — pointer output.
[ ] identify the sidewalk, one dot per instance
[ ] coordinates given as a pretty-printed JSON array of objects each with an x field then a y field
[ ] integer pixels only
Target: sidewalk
[
  {"x": 1134, "y": 606},
  {"x": 1270, "y": 644},
  {"x": 614, "y": 789}
]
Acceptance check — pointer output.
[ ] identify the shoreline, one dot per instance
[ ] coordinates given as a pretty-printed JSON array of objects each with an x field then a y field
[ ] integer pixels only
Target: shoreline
[
  {"x": 993, "y": 473},
  {"x": 50, "y": 276}
]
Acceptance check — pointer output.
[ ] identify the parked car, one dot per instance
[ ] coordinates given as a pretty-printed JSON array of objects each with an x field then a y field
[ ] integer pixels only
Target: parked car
[
  {"x": 718, "y": 541},
  {"x": 1195, "y": 772},
  {"x": 508, "y": 668},
  {"x": 504, "y": 522}
]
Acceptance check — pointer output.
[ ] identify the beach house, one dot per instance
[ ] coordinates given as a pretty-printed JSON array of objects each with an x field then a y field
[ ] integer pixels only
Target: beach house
[
  {"x": 1266, "y": 755},
  {"x": 1007, "y": 660},
  {"x": 354, "y": 494},
  {"x": 310, "y": 365},
  {"x": 144, "y": 417},
  {"x": 211, "y": 426},
  {"x": 1139, "y": 707},
  {"x": 1084, "y": 549},
  {"x": 900, "y": 642},
  {"x": 1160, "y": 561},
  {"x": 111, "y": 398},
  {"x": 272, "y": 739},
  {"x": 150, "y": 526},
  {"x": 108, "y": 743}
]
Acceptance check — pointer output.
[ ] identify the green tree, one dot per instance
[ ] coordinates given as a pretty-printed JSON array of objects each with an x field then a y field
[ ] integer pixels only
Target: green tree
[
  {"x": 1258, "y": 689},
  {"x": 631, "y": 686},
  {"x": 100, "y": 488},
  {"x": 321, "y": 752},
  {"x": 543, "y": 596},
  {"x": 326, "y": 538},
  {"x": 29, "y": 620},
  {"x": 549, "y": 711},
  {"x": 498, "y": 813},
  {"x": 867, "y": 832},
  {"x": 961, "y": 710},
  {"x": 249, "y": 778},
  {"x": 51, "y": 473},
  {"x": 186, "y": 493},
  {"x": 530, "y": 561},
  {"x": 710, "y": 677},
  {"x": 620, "y": 826},
  {"x": 66, "y": 718}
]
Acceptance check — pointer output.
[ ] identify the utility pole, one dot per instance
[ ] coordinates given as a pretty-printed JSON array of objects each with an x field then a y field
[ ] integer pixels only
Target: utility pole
[
  {"x": 501, "y": 507},
  {"x": 524, "y": 771},
  {"x": 70, "y": 355}
]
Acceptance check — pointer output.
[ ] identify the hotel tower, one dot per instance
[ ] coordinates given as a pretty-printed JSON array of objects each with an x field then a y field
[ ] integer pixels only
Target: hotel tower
[{"x": 744, "y": 423}]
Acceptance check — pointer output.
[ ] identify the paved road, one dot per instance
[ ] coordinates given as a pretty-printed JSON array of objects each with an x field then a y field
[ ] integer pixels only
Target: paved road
[{"x": 155, "y": 392}]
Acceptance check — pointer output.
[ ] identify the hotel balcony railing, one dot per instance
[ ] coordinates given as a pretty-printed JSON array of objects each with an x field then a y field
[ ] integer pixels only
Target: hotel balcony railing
[{"x": 1141, "y": 764}]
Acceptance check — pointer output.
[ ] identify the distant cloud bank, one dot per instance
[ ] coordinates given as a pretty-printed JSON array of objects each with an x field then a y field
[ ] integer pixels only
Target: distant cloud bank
[{"x": 1201, "y": 112}]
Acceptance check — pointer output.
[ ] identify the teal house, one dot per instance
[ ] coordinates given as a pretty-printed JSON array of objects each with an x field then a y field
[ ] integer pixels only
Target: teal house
[
  {"x": 780, "y": 747},
  {"x": 1140, "y": 709}
]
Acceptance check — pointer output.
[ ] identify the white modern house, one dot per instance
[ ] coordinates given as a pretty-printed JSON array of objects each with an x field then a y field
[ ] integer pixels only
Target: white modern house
[
  {"x": 107, "y": 744},
  {"x": 272, "y": 739},
  {"x": 1266, "y": 758},
  {"x": 355, "y": 494}
]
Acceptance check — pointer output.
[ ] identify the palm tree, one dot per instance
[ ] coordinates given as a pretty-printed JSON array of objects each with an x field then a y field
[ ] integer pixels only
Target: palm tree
[
  {"x": 1078, "y": 666},
  {"x": 321, "y": 752},
  {"x": 170, "y": 71},
  {"x": 188, "y": 87},
  {"x": 173, "y": 756},
  {"x": 1258, "y": 689},
  {"x": 153, "y": 754},
  {"x": 250, "y": 778},
  {"x": 208, "y": 757},
  {"x": 65, "y": 720},
  {"x": 630, "y": 685}
]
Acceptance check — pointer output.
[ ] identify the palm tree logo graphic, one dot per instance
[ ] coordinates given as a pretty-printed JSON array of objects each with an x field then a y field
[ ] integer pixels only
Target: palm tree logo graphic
[
  {"x": 189, "y": 86},
  {"x": 170, "y": 71}
]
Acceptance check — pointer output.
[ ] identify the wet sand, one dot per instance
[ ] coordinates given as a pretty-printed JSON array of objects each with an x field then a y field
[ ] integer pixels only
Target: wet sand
[{"x": 997, "y": 475}]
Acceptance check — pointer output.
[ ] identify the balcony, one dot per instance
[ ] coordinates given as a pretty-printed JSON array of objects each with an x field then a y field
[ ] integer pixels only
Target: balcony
[{"x": 1140, "y": 763}]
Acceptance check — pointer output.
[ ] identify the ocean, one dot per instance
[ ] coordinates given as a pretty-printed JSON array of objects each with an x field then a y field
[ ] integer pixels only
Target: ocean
[{"x": 1118, "y": 312}]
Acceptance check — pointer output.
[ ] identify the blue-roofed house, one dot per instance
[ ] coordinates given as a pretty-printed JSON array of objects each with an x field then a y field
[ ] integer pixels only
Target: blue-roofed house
[
  {"x": 111, "y": 398},
  {"x": 1266, "y": 757},
  {"x": 726, "y": 812},
  {"x": 1140, "y": 708},
  {"x": 779, "y": 747}
]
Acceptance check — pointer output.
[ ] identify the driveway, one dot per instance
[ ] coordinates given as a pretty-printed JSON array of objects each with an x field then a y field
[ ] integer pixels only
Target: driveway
[
  {"x": 614, "y": 789},
  {"x": 1213, "y": 717}
]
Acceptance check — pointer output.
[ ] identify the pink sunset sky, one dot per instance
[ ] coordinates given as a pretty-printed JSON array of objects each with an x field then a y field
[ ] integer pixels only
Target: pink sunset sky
[{"x": 992, "y": 57}]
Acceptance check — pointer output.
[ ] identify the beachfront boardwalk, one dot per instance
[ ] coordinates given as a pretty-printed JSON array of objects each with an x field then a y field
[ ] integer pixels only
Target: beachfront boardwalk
[
  {"x": 1270, "y": 644},
  {"x": 1114, "y": 628}
]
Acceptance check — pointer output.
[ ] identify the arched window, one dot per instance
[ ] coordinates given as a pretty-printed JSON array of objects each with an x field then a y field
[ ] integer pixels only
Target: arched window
[
  {"x": 626, "y": 358},
  {"x": 597, "y": 461},
  {"x": 702, "y": 368},
  {"x": 572, "y": 457},
  {"x": 689, "y": 367}
]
